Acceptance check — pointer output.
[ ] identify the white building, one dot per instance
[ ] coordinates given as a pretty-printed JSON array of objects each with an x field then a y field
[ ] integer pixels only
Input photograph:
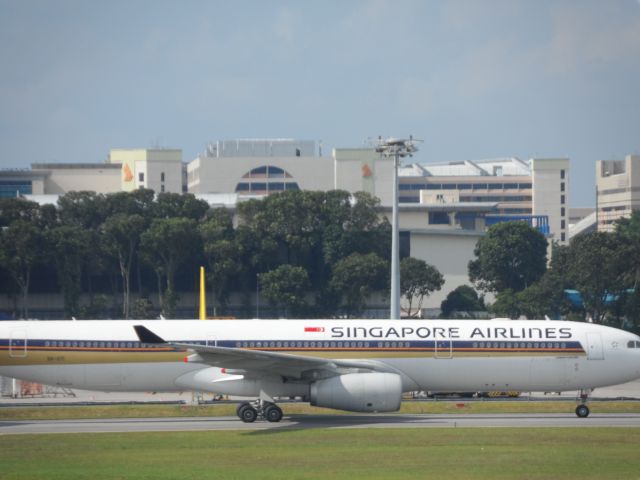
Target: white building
[{"x": 617, "y": 190}]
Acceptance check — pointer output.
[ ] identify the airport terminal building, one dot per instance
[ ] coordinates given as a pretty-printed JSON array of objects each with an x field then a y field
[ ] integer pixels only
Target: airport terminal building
[{"x": 444, "y": 207}]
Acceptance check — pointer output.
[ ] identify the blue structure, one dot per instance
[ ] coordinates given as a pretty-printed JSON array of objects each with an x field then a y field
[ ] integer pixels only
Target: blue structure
[
  {"x": 11, "y": 188},
  {"x": 575, "y": 297},
  {"x": 539, "y": 222}
]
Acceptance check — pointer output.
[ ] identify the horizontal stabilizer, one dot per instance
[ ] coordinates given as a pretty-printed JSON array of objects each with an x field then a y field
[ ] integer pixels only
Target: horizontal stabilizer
[{"x": 147, "y": 336}]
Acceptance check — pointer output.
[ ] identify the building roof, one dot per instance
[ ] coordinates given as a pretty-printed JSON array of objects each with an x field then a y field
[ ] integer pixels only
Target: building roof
[
  {"x": 83, "y": 166},
  {"x": 489, "y": 167}
]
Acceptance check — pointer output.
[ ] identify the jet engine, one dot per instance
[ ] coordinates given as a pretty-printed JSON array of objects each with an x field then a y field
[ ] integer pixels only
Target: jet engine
[{"x": 358, "y": 392}]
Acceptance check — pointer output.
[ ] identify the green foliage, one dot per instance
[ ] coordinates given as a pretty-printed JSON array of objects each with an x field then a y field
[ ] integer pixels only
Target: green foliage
[
  {"x": 121, "y": 236},
  {"x": 168, "y": 244},
  {"x": 223, "y": 253},
  {"x": 22, "y": 245},
  {"x": 143, "y": 309},
  {"x": 68, "y": 247},
  {"x": 286, "y": 287},
  {"x": 418, "y": 280},
  {"x": 356, "y": 277},
  {"x": 185, "y": 205},
  {"x": 597, "y": 266},
  {"x": 512, "y": 256},
  {"x": 463, "y": 301}
]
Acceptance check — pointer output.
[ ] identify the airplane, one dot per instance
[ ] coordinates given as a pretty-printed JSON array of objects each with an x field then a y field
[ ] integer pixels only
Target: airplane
[{"x": 353, "y": 365}]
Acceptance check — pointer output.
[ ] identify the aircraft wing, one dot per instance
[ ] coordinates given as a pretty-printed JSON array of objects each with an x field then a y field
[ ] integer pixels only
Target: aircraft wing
[{"x": 259, "y": 362}]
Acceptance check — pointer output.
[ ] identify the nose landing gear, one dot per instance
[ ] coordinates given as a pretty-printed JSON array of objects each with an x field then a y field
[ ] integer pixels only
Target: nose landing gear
[
  {"x": 249, "y": 412},
  {"x": 582, "y": 410}
]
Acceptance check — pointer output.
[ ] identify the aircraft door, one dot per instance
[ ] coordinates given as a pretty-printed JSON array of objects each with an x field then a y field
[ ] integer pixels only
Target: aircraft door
[
  {"x": 594, "y": 347},
  {"x": 18, "y": 343},
  {"x": 442, "y": 348}
]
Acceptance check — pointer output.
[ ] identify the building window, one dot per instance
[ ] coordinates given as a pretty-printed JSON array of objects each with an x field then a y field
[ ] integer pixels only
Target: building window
[
  {"x": 265, "y": 180},
  {"x": 561, "y": 174},
  {"x": 162, "y": 188},
  {"x": 141, "y": 176},
  {"x": 162, "y": 177},
  {"x": 562, "y": 187},
  {"x": 438, "y": 218},
  {"x": 562, "y": 224},
  {"x": 562, "y": 212},
  {"x": 563, "y": 237},
  {"x": 562, "y": 199},
  {"x": 11, "y": 188}
]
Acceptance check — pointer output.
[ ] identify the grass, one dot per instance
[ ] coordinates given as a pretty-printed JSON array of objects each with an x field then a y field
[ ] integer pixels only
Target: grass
[
  {"x": 548, "y": 453},
  {"x": 228, "y": 409}
]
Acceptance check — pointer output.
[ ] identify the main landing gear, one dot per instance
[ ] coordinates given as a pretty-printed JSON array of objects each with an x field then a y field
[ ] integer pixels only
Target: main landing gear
[
  {"x": 582, "y": 410},
  {"x": 250, "y": 412}
]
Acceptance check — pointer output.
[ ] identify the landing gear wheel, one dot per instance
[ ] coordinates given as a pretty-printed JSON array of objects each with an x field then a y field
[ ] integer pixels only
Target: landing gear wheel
[
  {"x": 582, "y": 411},
  {"x": 248, "y": 414},
  {"x": 240, "y": 406},
  {"x": 273, "y": 413}
]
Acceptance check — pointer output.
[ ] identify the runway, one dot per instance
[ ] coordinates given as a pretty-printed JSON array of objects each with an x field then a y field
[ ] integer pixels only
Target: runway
[{"x": 320, "y": 421}]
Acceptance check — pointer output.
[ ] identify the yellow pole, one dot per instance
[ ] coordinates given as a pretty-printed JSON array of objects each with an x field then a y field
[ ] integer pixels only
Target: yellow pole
[{"x": 203, "y": 299}]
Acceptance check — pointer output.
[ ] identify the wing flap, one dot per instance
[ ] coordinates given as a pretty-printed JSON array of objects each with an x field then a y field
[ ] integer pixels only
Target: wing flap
[{"x": 260, "y": 361}]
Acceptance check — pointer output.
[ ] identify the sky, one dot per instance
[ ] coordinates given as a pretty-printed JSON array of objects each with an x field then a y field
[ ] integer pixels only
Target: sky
[{"x": 474, "y": 79}]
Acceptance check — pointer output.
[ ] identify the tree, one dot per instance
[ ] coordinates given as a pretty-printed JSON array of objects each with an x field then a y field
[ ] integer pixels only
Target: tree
[
  {"x": 356, "y": 277},
  {"x": 169, "y": 205},
  {"x": 167, "y": 245},
  {"x": 286, "y": 287},
  {"x": 21, "y": 246},
  {"x": 87, "y": 210},
  {"x": 69, "y": 246},
  {"x": 512, "y": 255},
  {"x": 84, "y": 209},
  {"x": 418, "y": 279},
  {"x": 12, "y": 209},
  {"x": 597, "y": 266},
  {"x": 222, "y": 252},
  {"x": 463, "y": 300},
  {"x": 628, "y": 230},
  {"x": 121, "y": 236},
  {"x": 136, "y": 202}
]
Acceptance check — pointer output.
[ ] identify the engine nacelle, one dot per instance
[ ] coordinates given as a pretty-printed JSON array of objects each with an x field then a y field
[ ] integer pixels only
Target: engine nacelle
[{"x": 358, "y": 392}]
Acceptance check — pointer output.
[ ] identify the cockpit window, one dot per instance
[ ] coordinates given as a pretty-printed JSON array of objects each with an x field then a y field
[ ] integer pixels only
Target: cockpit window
[{"x": 633, "y": 344}]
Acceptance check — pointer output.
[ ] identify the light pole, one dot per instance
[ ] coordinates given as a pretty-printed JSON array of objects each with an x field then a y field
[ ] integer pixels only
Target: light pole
[
  {"x": 257, "y": 295},
  {"x": 397, "y": 148}
]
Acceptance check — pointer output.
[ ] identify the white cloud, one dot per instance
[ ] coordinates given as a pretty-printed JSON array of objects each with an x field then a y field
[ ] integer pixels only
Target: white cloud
[
  {"x": 588, "y": 37},
  {"x": 284, "y": 26}
]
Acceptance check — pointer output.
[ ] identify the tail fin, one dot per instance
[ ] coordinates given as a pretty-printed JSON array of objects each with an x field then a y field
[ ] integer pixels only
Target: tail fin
[{"x": 147, "y": 336}]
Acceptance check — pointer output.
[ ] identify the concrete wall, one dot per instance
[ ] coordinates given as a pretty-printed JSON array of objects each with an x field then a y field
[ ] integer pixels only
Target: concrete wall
[
  {"x": 549, "y": 191},
  {"x": 222, "y": 175},
  {"x": 64, "y": 178},
  {"x": 618, "y": 190},
  {"x": 448, "y": 251},
  {"x": 143, "y": 168},
  {"x": 362, "y": 169}
]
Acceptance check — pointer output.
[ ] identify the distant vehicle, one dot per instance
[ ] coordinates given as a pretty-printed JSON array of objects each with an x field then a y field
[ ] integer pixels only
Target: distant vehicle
[
  {"x": 498, "y": 394},
  {"x": 354, "y": 365}
]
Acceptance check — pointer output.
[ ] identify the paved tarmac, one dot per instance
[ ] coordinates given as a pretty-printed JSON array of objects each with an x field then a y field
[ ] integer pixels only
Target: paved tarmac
[{"x": 320, "y": 421}]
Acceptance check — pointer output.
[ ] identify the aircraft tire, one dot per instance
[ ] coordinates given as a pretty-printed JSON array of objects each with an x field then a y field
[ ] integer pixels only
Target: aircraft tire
[
  {"x": 273, "y": 413},
  {"x": 582, "y": 411},
  {"x": 248, "y": 414},
  {"x": 243, "y": 404}
]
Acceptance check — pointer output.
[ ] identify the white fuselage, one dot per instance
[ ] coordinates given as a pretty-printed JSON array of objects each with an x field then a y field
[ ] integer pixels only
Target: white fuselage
[{"x": 435, "y": 355}]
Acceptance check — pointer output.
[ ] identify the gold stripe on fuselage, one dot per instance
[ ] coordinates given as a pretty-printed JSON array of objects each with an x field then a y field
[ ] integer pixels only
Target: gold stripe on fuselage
[{"x": 61, "y": 356}]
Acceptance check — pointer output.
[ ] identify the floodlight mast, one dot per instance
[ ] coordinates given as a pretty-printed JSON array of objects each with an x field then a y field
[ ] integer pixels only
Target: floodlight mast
[{"x": 397, "y": 148}]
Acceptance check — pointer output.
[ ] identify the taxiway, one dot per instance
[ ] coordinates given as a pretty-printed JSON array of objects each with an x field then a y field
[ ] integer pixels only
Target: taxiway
[{"x": 320, "y": 421}]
